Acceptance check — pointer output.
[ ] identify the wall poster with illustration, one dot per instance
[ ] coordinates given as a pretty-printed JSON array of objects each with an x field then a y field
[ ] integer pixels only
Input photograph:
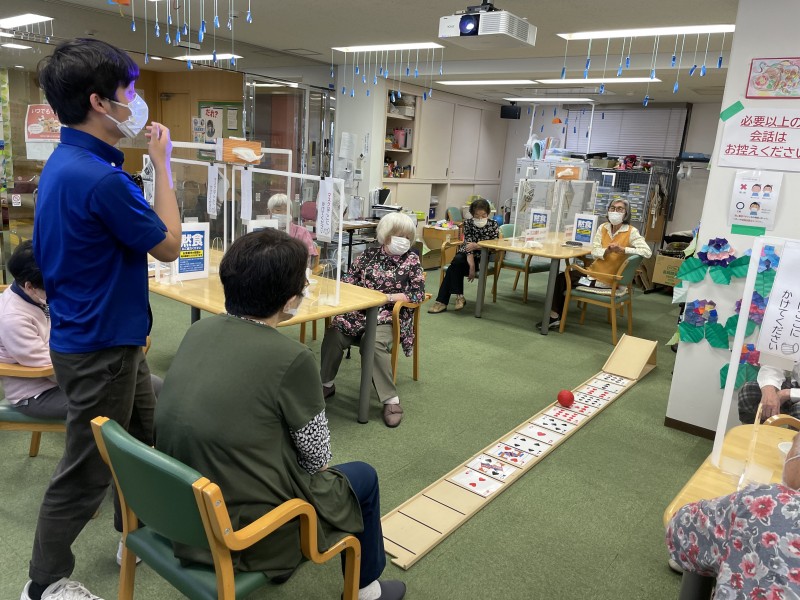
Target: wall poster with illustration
[
  {"x": 215, "y": 120},
  {"x": 774, "y": 78}
]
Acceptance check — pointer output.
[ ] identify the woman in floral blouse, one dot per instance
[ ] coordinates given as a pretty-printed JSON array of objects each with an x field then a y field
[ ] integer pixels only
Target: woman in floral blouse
[
  {"x": 464, "y": 263},
  {"x": 396, "y": 271},
  {"x": 749, "y": 541}
]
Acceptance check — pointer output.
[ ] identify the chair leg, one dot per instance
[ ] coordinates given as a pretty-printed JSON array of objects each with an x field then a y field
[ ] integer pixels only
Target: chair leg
[
  {"x": 564, "y": 312},
  {"x": 127, "y": 575},
  {"x": 525, "y": 289},
  {"x": 352, "y": 570},
  {"x": 613, "y": 313},
  {"x": 415, "y": 349},
  {"x": 314, "y": 330},
  {"x": 36, "y": 438},
  {"x": 516, "y": 280},
  {"x": 583, "y": 311},
  {"x": 302, "y": 333},
  {"x": 630, "y": 317}
]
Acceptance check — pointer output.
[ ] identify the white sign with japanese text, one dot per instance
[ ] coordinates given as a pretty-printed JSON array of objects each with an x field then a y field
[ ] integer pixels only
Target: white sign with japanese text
[
  {"x": 193, "y": 257},
  {"x": 211, "y": 190},
  {"x": 762, "y": 138},
  {"x": 780, "y": 330},
  {"x": 754, "y": 199},
  {"x": 247, "y": 194},
  {"x": 325, "y": 210}
]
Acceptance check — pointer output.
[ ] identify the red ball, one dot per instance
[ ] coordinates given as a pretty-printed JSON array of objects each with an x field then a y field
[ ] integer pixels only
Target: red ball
[{"x": 565, "y": 398}]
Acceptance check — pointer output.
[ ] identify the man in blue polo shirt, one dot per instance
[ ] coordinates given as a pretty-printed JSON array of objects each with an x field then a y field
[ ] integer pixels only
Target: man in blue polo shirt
[{"x": 92, "y": 232}]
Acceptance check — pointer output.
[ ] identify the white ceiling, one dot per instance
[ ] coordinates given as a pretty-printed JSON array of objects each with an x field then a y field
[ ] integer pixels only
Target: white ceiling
[{"x": 293, "y": 35}]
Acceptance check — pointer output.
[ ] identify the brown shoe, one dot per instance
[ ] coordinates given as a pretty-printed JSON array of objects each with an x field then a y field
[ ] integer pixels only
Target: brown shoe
[
  {"x": 461, "y": 302},
  {"x": 392, "y": 414},
  {"x": 437, "y": 308},
  {"x": 327, "y": 392}
]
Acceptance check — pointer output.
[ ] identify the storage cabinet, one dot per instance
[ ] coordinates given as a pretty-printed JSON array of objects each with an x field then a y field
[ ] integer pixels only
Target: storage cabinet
[
  {"x": 464, "y": 144},
  {"x": 434, "y": 139},
  {"x": 491, "y": 146},
  {"x": 399, "y": 137}
]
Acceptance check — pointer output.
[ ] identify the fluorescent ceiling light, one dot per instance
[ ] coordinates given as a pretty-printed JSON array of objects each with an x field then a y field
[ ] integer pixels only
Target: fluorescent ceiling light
[
  {"x": 208, "y": 57},
  {"x": 378, "y": 47},
  {"x": 489, "y": 82},
  {"x": 549, "y": 99},
  {"x": 4, "y": 34},
  {"x": 594, "y": 80},
  {"x": 18, "y": 67},
  {"x": 155, "y": 57},
  {"x": 22, "y": 20},
  {"x": 16, "y": 46},
  {"x": 648, "y": 31}
]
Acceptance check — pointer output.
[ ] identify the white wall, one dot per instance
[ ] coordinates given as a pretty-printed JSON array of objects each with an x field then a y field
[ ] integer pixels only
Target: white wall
[{"x": 695, "y": 395}]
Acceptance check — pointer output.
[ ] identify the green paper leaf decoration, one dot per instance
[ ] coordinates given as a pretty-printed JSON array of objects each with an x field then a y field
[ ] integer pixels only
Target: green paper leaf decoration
[
  {"x": 676, "y": 337},
  {"x": 764, "y": 281},
  {"x": 720, "y": 275},
  {"x": 690, "y": 333},
  {"x": 744, "y": 373},
  {"x": 716, "y": 335},
  {"x": 692, "y": 269},
  {"x": 733, "y": 322},
  {"x": 738, "y": 268}
]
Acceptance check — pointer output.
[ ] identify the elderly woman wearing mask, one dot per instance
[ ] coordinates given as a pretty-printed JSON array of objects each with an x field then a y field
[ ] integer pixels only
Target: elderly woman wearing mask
[
  {"x": 279, "y": 208},
  {"x": 612, "y": 244},
  {"x": 464, "y": 263},
  {"x": 396, "y": 271}
]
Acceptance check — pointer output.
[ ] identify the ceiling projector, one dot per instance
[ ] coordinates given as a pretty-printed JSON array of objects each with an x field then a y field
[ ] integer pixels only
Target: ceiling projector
[{"x": 486, "y": 27}]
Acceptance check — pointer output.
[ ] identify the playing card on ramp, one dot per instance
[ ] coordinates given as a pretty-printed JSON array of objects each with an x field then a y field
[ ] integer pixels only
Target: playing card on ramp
[
  {"x": 526, "y": 444},
  {"x": 476, "y": 482},
  {"x": 539, "y": 434},
  {"x": 553, "y": 424},
  {"x": 493, "y": 467},
  {"x": 510, "y": 454}
]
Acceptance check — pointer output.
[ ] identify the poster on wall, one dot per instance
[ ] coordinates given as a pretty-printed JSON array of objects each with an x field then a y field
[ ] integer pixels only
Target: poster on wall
[
  {"x": 212, "y": 118},
  {"x": 42, "y": 131},
  {"x": 193, "y": 257},
  {"x": 198, "y": 130},
  {"x": 754, "y": 200},
  {"x": 780, "y": 329},
  {"x": 762, "y": 139},
  {"x": 774, "y": 78}
]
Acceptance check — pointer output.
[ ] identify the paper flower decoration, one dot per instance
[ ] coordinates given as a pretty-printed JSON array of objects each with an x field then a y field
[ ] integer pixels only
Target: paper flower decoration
[
  {"x": 698, "y": 312},
  {"x": 749, "y": 355},
  {"x": 757, "y": 308},
  {"x": 717, "y": 252},
  {"x": 769, "y": 260}
]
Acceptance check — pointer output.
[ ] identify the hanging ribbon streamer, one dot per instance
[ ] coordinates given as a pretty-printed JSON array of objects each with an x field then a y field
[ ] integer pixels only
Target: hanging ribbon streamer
[
  {"x": 353, "y": 77},
  {"x": 233, "y": 37},
  {"x": 133, "y": 18},
  {"x": 188, "y": 33},
  {"x": 146, "y": 36},
  {"x": 655, "y": 58},
  {"x": 694, "y": 66},
  {"x": 157, "y": 28},
  {"x": 564, "y": 66},
  {"x": 628, "y": 57},
  {"x": 369, "y": 66},
  {"x": 430, "y": 73},
  {"x": 216, "y": 15},
  {"x": 185, "y": 24},
  {"x": 721, "y": 48},
  {"x": 416, "y": 67},
  {"x": 705, "y": 58},
  {"x": 332, "y": 69},
  {"x": 214, "y": 37},
  {"x": 357, "y": 64},
  {"x": 441, "y": 62},
  {"x": 605, "y": 64},
  {"x": 408, "y": 65},
  {"x": 621, "y": 58},
  {"x": 399, "y": 71},
  {"x": 680, "y": 63},
  {"x": 588, "y": 61},
  {"x": 249, "y": 17},
  {"x": 674, "y": 52},
  {"x": 167, "y": 39},
  {"x": 344, "y": 75},
  {"x": 427, "y": 57}
]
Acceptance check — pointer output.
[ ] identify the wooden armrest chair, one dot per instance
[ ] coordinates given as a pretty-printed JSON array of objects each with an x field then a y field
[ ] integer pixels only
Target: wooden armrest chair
[
  {"x": 520, "y": 265},
  {"x": 396, "y": 346},
  {"x": 13, "y": 420},
  {"x": 449, "y": 250},
  {"x": 780, "y": 420},
  {"x": 179, "y": 505},
  {"x": 619, "y": 296}
]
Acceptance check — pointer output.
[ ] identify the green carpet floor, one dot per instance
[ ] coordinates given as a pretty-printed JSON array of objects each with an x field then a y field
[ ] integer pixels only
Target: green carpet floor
[{"x": 584, "y": 523}]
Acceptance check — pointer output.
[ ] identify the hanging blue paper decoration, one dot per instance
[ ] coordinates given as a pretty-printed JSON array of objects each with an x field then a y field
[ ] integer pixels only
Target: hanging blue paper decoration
[
  {"x": 177, "y": 36},
  {"x": 233, "y": 61},
  {"x": 189, "y": 65},
  {"x": 675, "y": 87},
  {"x": 249, "y": 17},
  {"x": 214, "y": 56},
  {"x": 167, "y": 40},
  {"x": 646, "y": 101},
  {"x": 424, "y": 95},
  {"x": 185, "y": 29},
  {"x": 367, "y": 92},
  {"x": 563, "y": 72},
  {"x": 602, "y": 88},
  {"x": 216, "y": 21}
]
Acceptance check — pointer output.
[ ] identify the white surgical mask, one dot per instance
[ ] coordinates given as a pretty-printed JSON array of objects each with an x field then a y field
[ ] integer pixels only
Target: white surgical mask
[
  {"x": 398, "y": 245},
  {"x": 480, "y": 222},
  {"x": 131, "y": 126},
  {"x": 296, "y": 301},
  {"x": 615, "y": 218}
]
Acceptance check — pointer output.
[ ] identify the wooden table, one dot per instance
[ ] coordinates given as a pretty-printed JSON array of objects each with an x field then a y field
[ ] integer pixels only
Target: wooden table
[
  {"x": 711, "y": 482},
  {"x": 551, "y": 249},
  {"x": 207, "y": 294}
]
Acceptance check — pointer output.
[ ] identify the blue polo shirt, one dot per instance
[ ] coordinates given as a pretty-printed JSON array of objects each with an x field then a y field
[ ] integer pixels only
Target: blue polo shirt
[{"x": 92, "y": 231}]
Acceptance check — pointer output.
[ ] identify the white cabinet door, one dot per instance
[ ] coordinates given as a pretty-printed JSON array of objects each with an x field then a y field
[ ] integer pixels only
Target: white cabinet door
[
  {"x": 414, "y": 196},
  {"x": 464, "y": 146},
  {"x": 491, "y": 146},
  {"x": 432, "y": 147}
]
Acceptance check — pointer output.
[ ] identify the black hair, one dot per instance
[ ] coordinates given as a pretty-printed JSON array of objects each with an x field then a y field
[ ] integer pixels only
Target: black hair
[
  {"x": 79, "y": 68},
  {"x": 756, "y": 204},
  {"x": 768, "y": 186},
  {"x": 480, "y": 204},
  {"x": 23, "y": 268},
  {"x": 261, "y": 272}
]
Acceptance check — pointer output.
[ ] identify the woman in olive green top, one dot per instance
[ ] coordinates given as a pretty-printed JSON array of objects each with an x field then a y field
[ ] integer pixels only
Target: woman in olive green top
[{"x": 242, "y": 404}]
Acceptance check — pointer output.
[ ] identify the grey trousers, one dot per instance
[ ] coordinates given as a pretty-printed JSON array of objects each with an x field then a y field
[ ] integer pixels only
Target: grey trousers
[
  {"x": 335, "y": 343},
  {"x": 114, "y": 383},
  {"x": 750, "y": 397}
]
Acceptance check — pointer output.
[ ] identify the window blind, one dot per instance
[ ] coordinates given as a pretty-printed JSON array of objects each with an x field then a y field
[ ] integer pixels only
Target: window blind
[{"x": 652, "y": 131}]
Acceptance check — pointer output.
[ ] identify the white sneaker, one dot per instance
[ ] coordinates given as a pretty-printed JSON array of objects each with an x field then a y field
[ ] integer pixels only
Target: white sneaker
[
  {"x": 63, "y": 589},
  {"x": 119, "y": 554}
]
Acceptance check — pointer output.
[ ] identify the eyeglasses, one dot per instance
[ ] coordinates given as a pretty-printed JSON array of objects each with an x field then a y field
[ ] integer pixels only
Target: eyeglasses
[{"x": 616, "y": 209}]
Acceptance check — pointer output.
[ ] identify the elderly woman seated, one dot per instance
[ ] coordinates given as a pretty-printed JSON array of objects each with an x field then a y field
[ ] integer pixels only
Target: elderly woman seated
[
  {"x": 242, "y": 404},
  {"x": 280, "y": 209},
  {"x": 396, "y": 271}
]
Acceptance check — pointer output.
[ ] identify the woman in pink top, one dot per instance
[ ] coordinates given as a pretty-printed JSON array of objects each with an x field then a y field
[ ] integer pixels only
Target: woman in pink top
[
  {"x": 25, "y": 339},
  {"x": 278, "y": 206}
]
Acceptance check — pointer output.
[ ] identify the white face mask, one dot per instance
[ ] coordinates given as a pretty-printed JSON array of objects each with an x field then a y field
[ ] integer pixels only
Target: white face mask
[
  {"x": 131, "y": 126},
  {"x": 292, "y": 310},
  {"x": 480, "y": 222},
  {"x": 398, "y": 245},
  {"x": 615, "y": 218}
]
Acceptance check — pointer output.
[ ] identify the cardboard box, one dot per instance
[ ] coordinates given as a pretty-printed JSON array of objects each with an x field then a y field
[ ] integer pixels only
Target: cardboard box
[{"x": 666, "y": 269}]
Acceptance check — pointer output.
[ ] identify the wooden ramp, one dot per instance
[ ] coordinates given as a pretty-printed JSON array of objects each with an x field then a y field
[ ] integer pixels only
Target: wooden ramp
[{"x": 415, "y": 527}]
